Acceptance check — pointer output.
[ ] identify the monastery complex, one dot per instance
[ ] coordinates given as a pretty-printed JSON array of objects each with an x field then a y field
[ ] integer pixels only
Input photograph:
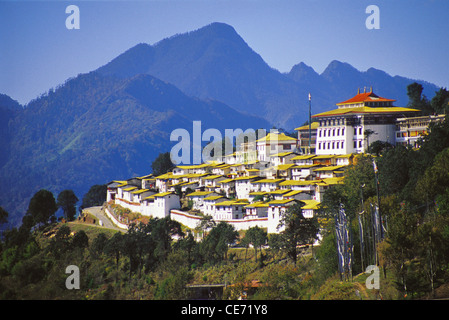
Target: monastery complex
[{"x": 255, "y": 185}]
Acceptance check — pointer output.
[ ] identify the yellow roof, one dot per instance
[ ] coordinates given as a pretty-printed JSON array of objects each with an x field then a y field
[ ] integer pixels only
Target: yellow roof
[
  {"x": 280, "y": 191},
  {"x": 276, "y": 137},
  {"x": 199, "y": 193},
  {"x": 245, "y": 178},
  {"x": 369, "y": 110},
  {"x": 213, "y": 177},
  {"x": 330, "y": 168},
  {"x": 284, "y": 201},
  {"x": 313, "y": 126},
  {"x": 139, "y": 191},
  {"x": 260, "y": 193},
  {"x": 324, "y": 156},
  {"x": 211, "y": 198},
  {"x": 258, "y": 204},
  {"x": 298, "y": 182},
  {"x": 285, "y": 166},
  {"x": 231, "y": 203},
  {"x": 292, "y": 193},
  {"x": 268, "y": 181},
  {"x": 165, "y": 176},
  {"x": 158, "y": 195},
  {"x": 310, "y": 204},
  {"x": 303, "y": 157},
  {"x": 305, "y": 166},
  {"x": 195, "y": 166},
  {"x": 281, "y": 154},
  {"x": 226, "y": 181},
  {"x": 129, "y": 188}
]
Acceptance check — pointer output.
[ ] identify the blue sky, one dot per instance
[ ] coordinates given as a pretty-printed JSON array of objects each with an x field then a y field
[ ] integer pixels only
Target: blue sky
[{"x": 38, "y": 52}]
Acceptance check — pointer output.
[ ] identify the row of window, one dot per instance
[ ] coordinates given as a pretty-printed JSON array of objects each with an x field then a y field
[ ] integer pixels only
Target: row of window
[
  {"x": 337, "y": 132},
  {"x": 331, "y": 132},
  {"x": 332, "y": 122},
  {"x": 337, "y": 145},
  {"x": 331, "y": 145}
]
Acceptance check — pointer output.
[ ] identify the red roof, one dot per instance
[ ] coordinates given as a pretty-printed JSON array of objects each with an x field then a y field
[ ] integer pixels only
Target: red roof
[{"x": 366, "y": 97}]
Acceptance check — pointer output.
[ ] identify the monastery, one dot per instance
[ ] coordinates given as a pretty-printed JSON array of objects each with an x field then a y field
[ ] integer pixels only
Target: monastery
[{"x": 255, "y": 185}]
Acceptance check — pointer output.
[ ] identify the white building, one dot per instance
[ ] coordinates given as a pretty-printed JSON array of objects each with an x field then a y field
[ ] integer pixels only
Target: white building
[
  {"x": 356, "y": 123},
  {"x": 276, "y": 209},
  {"x": 230, "y": 210},
  {"x": 410, "y": 130},
  {"x": 274, "y": 143},
  {"x": 159, "y": 205}
]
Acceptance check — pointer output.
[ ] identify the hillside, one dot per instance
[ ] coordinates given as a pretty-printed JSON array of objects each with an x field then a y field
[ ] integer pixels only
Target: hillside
[{"x": 97, "y": 128}]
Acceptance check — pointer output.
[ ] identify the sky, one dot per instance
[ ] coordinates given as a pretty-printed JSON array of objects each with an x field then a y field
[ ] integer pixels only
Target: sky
[{"x": 39, "y": 52}]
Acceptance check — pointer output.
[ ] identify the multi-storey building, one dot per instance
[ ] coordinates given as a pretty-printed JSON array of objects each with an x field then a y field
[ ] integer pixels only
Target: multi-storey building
[
  {"x": 357, "y": 122},
  {"x": 410, "y": 130}
]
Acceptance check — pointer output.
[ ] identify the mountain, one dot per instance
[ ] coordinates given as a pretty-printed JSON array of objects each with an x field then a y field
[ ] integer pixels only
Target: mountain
[
  {"x": 215, "y": 62},
  {"x": 340, "y": 81},
  {"x": 97, "y": 128}
]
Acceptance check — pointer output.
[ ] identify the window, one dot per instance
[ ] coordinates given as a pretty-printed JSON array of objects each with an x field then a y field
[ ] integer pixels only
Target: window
[
  {"x": 333, "y": 132},
  {"x": 333, "y": 145},
  {"x": 319, "y": 146},
  {"x": 355, "y": 144},
  {"x": 338, "y": 131},
  {"x": 360, "y": 130},
  {"x": 342, "y": 144},
  {"x": 319, "y": 133},
  {"x": 338, "y": 145},
  {"x": 355, "y": 131},
  {"x": 360, "y": 143},
  {"x": 343, "y": 131}
]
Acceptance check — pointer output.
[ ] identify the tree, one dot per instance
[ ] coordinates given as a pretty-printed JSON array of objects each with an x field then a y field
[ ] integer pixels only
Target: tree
[
  {"x": 298, "y": 230},
  {"x": 162, "y": 164},
  {"x": 3, "y": 216},
  {"x": 417, "y": 100},
  {"x": 215, "y": 245},
  {"x": 114, "y": 247},
  {"x": 394, "y": 168},
  {"x": 257, "y": 237},
  {"x": 96, "y": 196},
  {"x": 42, "y": 206},
  {"x": 440, "y": 102},
  {"x": 80, "y": 240},
  {"x": 98, "y": 244},
  {"x": 66, "y": 201}
]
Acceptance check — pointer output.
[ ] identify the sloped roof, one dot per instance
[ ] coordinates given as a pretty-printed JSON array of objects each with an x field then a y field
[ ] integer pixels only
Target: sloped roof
[{"x": 365, "y": 97}]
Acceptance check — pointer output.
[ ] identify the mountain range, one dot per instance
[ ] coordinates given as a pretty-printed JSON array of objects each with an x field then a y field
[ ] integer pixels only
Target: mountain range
[{"x": 111, "y": 123}]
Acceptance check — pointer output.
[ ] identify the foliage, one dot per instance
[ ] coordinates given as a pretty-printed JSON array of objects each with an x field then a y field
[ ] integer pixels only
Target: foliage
[
  {"x": 162, "y": 164},
  {"x": 42, "y": 207},
  {"x": 299, "y": 231},
  {"x": 67, "y": 200},
  {"x": 96, "y": 196}
]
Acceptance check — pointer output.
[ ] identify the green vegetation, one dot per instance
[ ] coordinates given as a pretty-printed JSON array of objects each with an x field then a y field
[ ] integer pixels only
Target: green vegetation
[{"x": 411, "y": 188}]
